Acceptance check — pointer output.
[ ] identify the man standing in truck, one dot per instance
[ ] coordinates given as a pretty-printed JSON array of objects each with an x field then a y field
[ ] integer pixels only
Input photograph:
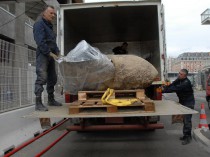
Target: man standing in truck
[
  {"x": 46, "y": 54},
  {"x": 120, "y": 50},
  {"x": 183, "y": 88}
]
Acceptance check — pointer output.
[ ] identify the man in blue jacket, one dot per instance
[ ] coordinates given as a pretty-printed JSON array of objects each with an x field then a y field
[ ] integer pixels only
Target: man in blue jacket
[
  {"x": 121, "y": 50},
  {"x": 46, "y": 54},
  {"x": 183, "y": 88}
]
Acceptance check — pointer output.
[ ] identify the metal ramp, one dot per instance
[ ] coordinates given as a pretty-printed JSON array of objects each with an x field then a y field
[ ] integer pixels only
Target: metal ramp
[{"x": 163, "y": 108}]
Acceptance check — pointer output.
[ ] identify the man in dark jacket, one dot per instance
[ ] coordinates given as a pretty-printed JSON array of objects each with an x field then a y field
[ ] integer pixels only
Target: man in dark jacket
[
  {"x": 121, "y": 50},
  {"x": 46, "y": 54},
  {"x": 183, "y": 88}
]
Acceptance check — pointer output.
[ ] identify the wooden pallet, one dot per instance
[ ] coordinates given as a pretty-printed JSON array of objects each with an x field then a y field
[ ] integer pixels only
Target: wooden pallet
[
  {"x": 97, "y": 106},
  {"x": 93, "y": 96},
  {"x": 89, "y": 101}
]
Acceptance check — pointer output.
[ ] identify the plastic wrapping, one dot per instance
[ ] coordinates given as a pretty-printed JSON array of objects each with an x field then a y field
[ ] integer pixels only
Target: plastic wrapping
[{"x": 85, "y": 68}]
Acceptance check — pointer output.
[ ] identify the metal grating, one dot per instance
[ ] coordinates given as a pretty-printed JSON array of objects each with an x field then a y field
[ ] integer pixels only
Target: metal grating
[{"x": 17, "y": 77}]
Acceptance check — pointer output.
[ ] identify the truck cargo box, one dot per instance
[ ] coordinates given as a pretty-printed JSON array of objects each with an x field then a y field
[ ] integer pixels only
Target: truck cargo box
[{"x": 106, "y": 25}]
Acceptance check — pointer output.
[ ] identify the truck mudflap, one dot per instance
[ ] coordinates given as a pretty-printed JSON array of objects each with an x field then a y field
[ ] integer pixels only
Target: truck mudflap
[{"x": 162, "y": 108}]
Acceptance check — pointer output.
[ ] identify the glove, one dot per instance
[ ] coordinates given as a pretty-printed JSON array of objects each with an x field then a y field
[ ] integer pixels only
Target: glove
[
  {"x": 54, "y": 56},
  {"x": 163, "y": 88},
  {"x": 59, "y": 55}
]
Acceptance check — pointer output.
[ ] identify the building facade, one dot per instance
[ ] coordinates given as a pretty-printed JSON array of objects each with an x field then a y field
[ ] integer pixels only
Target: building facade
[
  {"x": 196, "y": 63},
  {"x": 193, "y": 62},
  {"x": 170, "y": 63}
]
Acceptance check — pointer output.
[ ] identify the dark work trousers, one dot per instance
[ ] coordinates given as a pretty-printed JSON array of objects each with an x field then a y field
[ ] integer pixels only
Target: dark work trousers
[
  {"x": 187, "y": 128},
  {"x": 46, "y": 74}
]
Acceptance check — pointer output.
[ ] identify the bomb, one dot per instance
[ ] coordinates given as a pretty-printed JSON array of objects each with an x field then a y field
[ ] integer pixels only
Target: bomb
[{"x": 131, "y": 72}]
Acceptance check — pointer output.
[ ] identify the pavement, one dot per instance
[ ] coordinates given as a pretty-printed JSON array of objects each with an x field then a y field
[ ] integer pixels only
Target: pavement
[
  {"x": 203, "y": 138},
  {"x": 202, "y": 135}
]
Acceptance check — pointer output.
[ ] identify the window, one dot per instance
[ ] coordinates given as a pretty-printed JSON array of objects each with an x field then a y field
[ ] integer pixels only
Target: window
[{"x": 6, "y": 50}]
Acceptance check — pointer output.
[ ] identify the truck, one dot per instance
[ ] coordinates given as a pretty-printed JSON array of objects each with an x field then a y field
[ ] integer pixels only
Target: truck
[
  {"x": 109, "y": 24},
  {"x": 105, "y": 26}
]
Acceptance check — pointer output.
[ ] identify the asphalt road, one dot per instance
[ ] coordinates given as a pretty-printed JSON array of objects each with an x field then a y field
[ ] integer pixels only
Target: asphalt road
[
  {"x": 159, "y": 143},
  {"x": 199, "y": 99}
]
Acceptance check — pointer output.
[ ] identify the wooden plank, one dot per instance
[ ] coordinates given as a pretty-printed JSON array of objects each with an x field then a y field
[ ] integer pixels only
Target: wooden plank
[
  {"x": 96, "y": 95},
  {"x": 90, "y": 95},
  {"x": 82, "y": 96},
  {"x": 91, "y": 92},
  {"x": 111, "y": 109},
  {"x": 140, "y": 94},
  {"x": 149, "y": 105},
  {"x": 88, "y": 103},
  {"x": 146, "y": 106},
  {"x": 91, "y": 100},
  {"x": 99, "y": 103}
]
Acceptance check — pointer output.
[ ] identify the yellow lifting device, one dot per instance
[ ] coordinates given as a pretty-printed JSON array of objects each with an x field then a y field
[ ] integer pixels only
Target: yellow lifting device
[{"x": 116, "y": 102}]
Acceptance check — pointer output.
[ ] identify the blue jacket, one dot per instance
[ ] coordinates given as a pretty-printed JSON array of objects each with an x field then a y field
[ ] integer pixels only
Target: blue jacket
[
  {"x": 183, "y": 89},
  {"x": 45, "y": 37}
]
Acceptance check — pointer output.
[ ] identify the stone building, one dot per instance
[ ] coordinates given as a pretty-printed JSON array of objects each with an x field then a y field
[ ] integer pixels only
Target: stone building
[{"x": 194, "y": 61}]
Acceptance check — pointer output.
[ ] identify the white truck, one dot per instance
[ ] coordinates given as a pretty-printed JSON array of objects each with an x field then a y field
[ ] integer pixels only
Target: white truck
[
  {"x": 106, "y": 25},
  {"x": 109, "y": 24}
]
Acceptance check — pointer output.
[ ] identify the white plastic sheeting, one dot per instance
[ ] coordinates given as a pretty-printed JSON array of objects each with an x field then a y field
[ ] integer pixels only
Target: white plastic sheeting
[{"x": 85, "y": 68}]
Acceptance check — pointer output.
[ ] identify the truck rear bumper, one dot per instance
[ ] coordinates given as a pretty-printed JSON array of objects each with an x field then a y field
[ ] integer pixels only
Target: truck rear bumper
[{"x": 115, "y": 127}]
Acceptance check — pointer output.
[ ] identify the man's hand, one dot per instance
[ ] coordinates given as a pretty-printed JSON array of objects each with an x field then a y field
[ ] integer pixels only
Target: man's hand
[
  {"x": 59, "y": 55},
  {"x": 163, "y": 87},
  {"x": 54, "y": 56}
]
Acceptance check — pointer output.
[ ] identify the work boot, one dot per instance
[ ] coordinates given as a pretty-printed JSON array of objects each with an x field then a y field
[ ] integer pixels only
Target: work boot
[
  {"x": 52, "y": 102},
  {"x": 39, "y": 106},
  {"x": 182, "y": 138},
  {"x": 186, "y": 140}
]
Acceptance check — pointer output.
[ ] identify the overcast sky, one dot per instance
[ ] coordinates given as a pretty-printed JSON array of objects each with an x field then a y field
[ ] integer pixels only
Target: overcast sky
[{"x": 184, "y": 32}]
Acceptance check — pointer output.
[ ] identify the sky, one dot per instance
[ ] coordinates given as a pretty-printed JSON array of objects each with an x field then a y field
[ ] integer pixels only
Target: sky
[{"x": 184, "y": 32}]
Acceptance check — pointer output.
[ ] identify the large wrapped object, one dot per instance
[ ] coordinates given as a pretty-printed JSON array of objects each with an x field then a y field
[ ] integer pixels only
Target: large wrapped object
[
  {"x": 85, "y": 68},
  {"x": 131, "y": 72}
]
